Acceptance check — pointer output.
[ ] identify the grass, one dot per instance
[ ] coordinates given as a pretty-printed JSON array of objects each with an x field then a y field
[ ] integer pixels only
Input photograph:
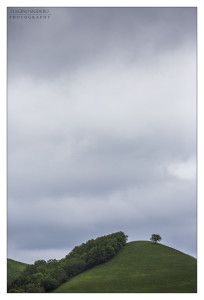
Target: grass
[
  {"x": 14, "y": 269},
  {"x": 140, "y": 267}
]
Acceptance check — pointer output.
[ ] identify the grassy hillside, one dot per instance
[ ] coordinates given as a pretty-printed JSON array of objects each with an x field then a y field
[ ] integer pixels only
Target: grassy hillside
[
  {"x": 14, "y": 268},
  {"x": 140, "y": 267}
]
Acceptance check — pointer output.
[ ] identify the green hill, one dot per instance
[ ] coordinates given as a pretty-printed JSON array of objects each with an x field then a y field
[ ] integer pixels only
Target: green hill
[
  {"x": 14, "y": 269},
  {"x": 140, "y": 267}
]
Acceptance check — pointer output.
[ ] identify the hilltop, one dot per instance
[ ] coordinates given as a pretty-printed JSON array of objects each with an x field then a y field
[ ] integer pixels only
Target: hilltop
[
  {"x": 108, "y": 264},
  {"x": 140, "y": 267}
]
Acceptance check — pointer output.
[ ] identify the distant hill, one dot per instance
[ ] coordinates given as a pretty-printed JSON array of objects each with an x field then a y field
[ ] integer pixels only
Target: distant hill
[
  {"x": 14, "y": 268},
  {"x": 140, "y": 267}
]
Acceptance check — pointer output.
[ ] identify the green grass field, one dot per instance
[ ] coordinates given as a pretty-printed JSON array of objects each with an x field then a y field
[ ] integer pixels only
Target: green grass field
[
  {"x": 14, "y": 269},
  {"x": 140, "y": 267}
]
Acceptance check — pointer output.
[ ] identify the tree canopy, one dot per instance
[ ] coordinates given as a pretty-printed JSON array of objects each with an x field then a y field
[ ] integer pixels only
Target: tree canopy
[
  {"x": 155, "y": 238},
  {"x": 45, "y": 276}
]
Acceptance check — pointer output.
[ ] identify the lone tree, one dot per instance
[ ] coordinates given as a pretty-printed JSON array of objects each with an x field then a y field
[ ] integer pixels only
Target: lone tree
[{"x": 155, "y": 238}]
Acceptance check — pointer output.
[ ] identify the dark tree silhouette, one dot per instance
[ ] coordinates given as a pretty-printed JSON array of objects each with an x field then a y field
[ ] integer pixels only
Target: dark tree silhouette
[{"x": 155, "y": 238}]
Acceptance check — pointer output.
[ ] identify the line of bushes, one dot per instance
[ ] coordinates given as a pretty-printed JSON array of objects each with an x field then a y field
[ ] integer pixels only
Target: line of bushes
[{"x": 43, "y": 276}]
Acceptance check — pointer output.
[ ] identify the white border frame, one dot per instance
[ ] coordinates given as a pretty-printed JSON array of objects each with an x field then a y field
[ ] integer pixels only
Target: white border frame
[{"x": 3, "y": 138}]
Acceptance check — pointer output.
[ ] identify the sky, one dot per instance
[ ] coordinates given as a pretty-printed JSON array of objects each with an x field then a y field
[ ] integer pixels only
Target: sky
[{"x": 101, "y": 128}]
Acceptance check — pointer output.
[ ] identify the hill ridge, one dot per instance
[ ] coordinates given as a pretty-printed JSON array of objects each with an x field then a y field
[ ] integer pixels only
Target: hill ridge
[
  {"x": 140, "y": 267},
  {"x": 14, "y": 268}
]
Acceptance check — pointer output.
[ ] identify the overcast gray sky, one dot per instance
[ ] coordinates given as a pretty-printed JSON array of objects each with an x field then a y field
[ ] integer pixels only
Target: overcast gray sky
[{"x": 101, "y": 128}]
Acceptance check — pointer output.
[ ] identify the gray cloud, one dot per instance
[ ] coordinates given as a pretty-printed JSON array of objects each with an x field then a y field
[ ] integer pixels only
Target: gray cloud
[
  {"x": 76, "y": 37},
  {"x": 101, "y": 128}
]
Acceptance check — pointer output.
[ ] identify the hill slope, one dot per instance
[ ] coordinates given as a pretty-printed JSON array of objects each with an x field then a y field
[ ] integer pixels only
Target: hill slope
[
  {"x": 14, "y": 268},
  {"x": 140, "y": 267}
]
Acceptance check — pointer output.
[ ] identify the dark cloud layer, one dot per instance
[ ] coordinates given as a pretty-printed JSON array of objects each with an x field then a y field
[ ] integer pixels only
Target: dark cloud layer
[
  {"x": 101, "y": 128},
  {"x": 76, "y": 37}
]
